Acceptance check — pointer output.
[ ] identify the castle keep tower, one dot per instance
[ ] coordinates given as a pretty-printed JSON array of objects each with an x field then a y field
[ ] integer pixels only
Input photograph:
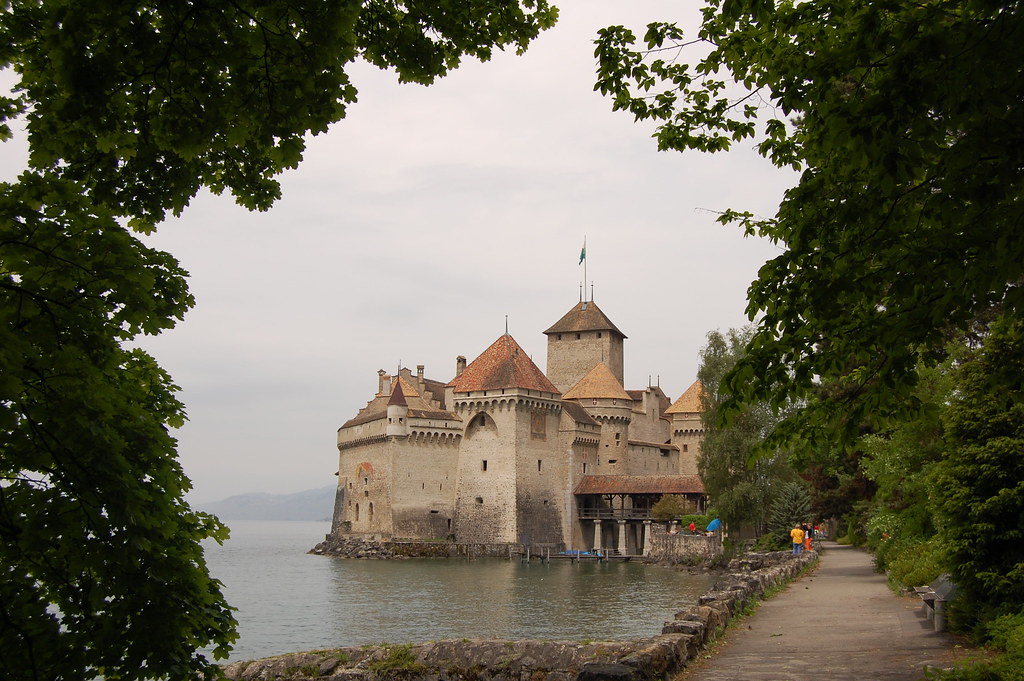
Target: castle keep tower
[
  {"x": 510, "y": 484},
  {"x": 581, "y": 340}
]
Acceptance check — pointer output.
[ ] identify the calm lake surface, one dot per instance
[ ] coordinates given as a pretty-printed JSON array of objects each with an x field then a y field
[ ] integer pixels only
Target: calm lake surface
[{"x": 289, "y": 601}]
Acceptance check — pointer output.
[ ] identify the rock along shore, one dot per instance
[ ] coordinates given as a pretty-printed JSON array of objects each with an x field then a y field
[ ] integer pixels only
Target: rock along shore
[{"x": 657, "y": 657}]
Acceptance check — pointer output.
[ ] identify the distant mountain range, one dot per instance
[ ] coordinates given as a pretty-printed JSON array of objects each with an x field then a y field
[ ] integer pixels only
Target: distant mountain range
[{"x": 313, "y": 504}]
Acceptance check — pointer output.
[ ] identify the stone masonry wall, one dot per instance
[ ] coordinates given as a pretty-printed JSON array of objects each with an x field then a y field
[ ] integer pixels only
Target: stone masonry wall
[
  {"x": 682, "y": 548},
  {"x": 648, "y": 659}
]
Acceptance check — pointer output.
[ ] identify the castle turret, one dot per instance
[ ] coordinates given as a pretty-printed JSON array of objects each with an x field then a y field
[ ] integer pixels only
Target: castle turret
[
  {"x": 581, "y": 340},
  {"x": 687, "y": 427},
  {"x": 601, "y": 394},
  {"x": 398, "y": 413}
]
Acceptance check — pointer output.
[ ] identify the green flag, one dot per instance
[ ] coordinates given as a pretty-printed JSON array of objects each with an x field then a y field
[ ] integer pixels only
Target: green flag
[{"x": 583, "y": 253}]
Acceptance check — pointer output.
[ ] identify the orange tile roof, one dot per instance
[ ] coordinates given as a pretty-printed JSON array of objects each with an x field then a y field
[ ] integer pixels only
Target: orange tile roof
[
  {"x": 599, "y": 383},
  {"x": 639, "y": 484},
  {"x": 503, "y": 365},
  {"x": 404, "y": 394},
  {"x": 690, "y": 401},
  {"x": 586, "y": 316}
]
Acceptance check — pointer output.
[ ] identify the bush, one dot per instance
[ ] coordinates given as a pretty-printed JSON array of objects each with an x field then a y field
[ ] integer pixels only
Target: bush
[
  {"x": 909, "y": 562},
  {"x": 671, "y": 506},
  {"x": 771, "y": 541}
]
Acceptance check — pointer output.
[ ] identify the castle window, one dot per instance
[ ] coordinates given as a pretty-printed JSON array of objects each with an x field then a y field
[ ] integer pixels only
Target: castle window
[
  {"x": 357, "y": 512},
  {"x": 559, "y": 336},
  {"x": 538, "y": 465},
  {"x": 584, "y": 468},
  {"x": 686, "y": 448},
  {"x": 612, "y": 461},
  {"x": 366, "y": 481},
  {"x": 480, "y": 500},
  {"x": 598, "y": 334},
  {"x": 366, "y": 493},
  {"x": 434, "y": 511},
  {"x": 578, "y": 336},
  {"x": 483, "y": 465},
  {"x": 370, "y": 516}
]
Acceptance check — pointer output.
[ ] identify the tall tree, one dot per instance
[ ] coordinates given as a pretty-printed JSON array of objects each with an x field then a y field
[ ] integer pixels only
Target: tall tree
[
  {"x": 740, "y": 488},
  {"x": 906, "y": 123},
  {"x": 980, "y": 480},
  {"x": 130, "y": 109}
]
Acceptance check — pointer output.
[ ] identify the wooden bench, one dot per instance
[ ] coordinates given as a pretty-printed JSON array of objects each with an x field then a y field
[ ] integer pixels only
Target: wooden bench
[{"x": 934, "y": 597}]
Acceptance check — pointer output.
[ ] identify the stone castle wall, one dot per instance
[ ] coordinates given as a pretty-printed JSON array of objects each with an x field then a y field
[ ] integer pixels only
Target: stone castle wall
[
  {"x": 486, "y": 493},
  {"x": 682, "y": 548}
]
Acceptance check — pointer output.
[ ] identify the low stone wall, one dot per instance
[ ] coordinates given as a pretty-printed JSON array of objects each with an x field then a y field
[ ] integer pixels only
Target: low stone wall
[
  {"x": 359, "y": 546},
  {"x": 646, "y": 659},
  {"x": 683, "y": 548}
]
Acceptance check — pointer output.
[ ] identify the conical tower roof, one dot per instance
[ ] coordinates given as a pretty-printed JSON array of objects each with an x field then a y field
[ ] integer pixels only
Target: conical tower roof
[
  {"x": 503, "y": 365},
  {"x": 586, "y": 316},
  {"x": 398, "y": 395},
  {"x": 599, "y": 383},
  {"x": 690, "y": 402}
]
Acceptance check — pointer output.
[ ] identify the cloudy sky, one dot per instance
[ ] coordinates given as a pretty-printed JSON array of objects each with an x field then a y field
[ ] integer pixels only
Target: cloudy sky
[{"x": 416, "y": 226}]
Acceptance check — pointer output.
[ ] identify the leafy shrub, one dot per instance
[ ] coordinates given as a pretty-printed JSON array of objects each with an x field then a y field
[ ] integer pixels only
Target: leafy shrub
[
  {"x": 910, "y": 562},
  {"x": 772, "y": 541},
  {"x": 671, "y": 506},
  {"x": 1007, "y": 633}
]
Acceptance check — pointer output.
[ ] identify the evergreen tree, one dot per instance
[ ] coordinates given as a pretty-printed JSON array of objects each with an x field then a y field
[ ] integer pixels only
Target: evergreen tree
[
  {"x": 980, "y": 480},
  {"x": 791, "y": 507}
]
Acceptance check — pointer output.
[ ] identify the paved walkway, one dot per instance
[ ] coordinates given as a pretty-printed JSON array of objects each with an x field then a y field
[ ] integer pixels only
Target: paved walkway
[{"x": 839, "y": 623}]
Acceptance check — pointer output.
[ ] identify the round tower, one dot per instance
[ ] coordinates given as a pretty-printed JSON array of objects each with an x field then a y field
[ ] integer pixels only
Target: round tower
[{"x": 398, "y": 413}]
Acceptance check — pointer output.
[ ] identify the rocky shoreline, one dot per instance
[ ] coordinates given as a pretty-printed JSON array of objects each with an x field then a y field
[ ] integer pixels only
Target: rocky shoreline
[{"x": 747, "y": 579}]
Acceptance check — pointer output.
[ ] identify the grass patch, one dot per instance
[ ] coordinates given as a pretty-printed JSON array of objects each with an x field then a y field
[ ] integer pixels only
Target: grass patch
[{"x": 399, "y": 658}]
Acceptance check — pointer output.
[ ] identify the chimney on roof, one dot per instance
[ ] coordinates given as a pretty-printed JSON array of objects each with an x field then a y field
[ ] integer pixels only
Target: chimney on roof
[
  {"x": 460, "y": 365},
  {"x": 383, "y": 382},
  {"x": 419, "y": 371}
]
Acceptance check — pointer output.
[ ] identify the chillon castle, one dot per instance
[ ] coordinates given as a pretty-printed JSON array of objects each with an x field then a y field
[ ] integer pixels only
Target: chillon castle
[{"x": 506, "y": 454}]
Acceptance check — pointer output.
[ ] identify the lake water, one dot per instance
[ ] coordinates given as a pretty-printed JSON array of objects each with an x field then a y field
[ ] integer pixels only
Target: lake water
[{"x": 289, "y": 601}]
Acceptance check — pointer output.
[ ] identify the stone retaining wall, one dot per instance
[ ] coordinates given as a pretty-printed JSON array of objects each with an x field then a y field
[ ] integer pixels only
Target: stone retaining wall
[
  {"x": 657, "y": 657},
  {"x": 683, "y": 548},
  {"x": 361, "y": 546}
]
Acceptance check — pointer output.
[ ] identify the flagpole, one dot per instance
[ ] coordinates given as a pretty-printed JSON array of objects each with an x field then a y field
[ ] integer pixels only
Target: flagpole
[{"x": 584, "y": 266}]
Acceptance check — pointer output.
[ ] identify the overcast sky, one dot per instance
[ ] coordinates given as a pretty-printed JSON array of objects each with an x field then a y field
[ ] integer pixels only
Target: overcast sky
[{"x": 415, "y": 226}]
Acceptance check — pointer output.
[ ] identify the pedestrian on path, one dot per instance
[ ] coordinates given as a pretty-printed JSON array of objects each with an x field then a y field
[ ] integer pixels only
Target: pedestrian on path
[{"x": 797, "y": 535}]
